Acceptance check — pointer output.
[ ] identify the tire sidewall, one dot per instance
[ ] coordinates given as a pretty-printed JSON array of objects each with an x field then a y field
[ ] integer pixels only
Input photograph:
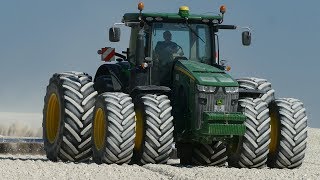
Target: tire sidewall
[
  {"x": 273, "y": 108},
  {"x": 137, "y": 154},
  {"x": 52, "y": 149},
  {"x": 98, "y": 154}
]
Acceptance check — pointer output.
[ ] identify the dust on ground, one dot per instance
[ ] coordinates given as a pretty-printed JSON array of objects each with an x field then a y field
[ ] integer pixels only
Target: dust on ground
[{"x": 20, "y": 130}]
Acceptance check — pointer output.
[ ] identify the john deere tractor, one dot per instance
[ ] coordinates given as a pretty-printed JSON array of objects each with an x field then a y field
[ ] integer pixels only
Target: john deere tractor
[{"x": 171, "y": 88}]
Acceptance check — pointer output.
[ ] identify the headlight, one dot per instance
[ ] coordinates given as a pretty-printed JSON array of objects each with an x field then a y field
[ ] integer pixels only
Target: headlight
[
  {"x": 232, "y": 89},
  {"x": 206, "y": 88}
]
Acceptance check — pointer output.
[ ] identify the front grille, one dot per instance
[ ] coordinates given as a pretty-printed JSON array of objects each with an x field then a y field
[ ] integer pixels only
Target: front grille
[{"x": 229, "y": 100}]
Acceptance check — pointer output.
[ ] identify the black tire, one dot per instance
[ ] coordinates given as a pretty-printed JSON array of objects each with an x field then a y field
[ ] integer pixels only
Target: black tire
[
  {"x": 184, "y": 152},
  {"x": 214, "y": 154},
  {"x": 115, "y": 141},
  {"x": 67, "y": 116},
  {"x": 252, "y": 148},
  {"x": 287, "y": 148},
  {"x": 258, "y": 84},
  {"x": 156, "y": 130}
]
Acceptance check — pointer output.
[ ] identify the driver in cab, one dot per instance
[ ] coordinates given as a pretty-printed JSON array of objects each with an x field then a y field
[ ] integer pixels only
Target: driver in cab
[
  {"x": 166, "y": 46},
  {"x": 164, "y": 52}
]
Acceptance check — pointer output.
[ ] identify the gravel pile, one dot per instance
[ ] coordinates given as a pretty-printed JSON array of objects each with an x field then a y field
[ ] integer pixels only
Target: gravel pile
[{"x": 38, "y": 167}]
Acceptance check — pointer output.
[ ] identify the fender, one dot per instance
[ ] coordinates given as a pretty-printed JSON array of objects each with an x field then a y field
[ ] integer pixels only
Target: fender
[
  {"x": 253, "y": 93},
  {"x": 111, "y": 77},
  {"x": 150, "y": 89}
]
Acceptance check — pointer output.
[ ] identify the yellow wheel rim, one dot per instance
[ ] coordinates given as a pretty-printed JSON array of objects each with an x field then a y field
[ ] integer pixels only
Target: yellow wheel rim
[
  {"x": 139, "y": 129},
  {"x": 274, "y": 135},
  {"x": 99, "y": 129},
  {"x": 52, "y": 118}
]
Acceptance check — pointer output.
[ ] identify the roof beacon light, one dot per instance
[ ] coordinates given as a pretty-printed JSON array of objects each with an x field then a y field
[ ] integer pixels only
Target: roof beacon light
[
  {"x": 140, "y": 6},
  {"x": 222, "y": 9},
  {"x": 228, "y": 68},
  {"x": 184, "y": 11}
]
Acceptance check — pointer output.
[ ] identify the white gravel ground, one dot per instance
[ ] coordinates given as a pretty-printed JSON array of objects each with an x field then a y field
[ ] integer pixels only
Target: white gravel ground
[{"x": 38, "y": 167}]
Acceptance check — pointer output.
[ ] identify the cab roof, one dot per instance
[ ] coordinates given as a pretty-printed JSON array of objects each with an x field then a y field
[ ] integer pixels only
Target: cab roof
[{"x": 170, "y": 17}]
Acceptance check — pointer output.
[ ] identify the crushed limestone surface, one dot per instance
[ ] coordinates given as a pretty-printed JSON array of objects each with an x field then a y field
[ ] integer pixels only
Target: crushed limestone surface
[{"x": 38, "y": 167}]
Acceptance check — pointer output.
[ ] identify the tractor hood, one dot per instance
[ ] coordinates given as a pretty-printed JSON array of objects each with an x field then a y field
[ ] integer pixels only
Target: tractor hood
[{"x": 204, "y": 74}]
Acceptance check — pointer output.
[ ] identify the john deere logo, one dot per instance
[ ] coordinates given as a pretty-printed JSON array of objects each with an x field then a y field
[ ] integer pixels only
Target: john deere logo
[{"x": 219, "y": 102}]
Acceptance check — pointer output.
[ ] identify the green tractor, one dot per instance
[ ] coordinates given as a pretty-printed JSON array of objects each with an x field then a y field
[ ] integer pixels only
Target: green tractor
[{"x": 170, "y": 89}]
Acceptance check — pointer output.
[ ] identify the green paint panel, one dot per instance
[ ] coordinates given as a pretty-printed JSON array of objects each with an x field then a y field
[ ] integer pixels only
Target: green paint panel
[
  {"x": 225, "y": 117},
  {"x": 195, "y": 66},
  {"x": 225, "y": 129},
  {"x": 207, "y": 75}
]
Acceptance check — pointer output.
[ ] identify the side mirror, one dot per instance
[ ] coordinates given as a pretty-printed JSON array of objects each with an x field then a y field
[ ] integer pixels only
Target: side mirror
[
  {"x": 246, "y": 38},
  {"x": 114, "y": 34}
]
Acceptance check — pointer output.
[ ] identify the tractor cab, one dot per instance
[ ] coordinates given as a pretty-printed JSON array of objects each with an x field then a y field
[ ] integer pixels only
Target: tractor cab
[
  {"x": 159, "y": 40},
  {"x": 171, "y": 42}
]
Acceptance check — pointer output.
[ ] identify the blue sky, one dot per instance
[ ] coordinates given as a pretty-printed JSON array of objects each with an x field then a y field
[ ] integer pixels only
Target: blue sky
[{"x": 38, "y": 38}]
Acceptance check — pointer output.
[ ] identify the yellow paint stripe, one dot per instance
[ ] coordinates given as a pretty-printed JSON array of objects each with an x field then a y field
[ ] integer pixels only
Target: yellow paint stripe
[{"x": 185, "y": 72}]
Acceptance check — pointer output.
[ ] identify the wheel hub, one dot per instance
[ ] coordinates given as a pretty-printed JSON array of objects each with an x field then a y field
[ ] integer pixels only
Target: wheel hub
[
  {"x": 53, "y": 118},
  {"x": 139, "y": 129},
  {"x": 274, "y": 134},
  {"x": 99, "y": 129}
]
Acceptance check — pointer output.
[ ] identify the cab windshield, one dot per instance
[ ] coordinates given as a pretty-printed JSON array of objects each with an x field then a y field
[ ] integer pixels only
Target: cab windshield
[{"x": 170, "y": 41}]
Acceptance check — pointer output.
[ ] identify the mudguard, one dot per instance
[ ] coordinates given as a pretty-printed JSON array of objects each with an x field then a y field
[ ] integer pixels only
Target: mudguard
[
  {"x": 111, "y": 77},
  {"x": 150, "y": 89},
  {"x": 253, "y": 93}
]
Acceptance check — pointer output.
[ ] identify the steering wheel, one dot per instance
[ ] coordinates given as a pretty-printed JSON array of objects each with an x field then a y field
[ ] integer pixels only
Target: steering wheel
[{"x": 179, "y": 52}]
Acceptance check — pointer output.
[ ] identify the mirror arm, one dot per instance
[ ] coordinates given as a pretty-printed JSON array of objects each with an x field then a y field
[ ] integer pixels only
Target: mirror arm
[
  {"x": 245, "y": 27},
  {"x": 233, "y": 27},
  {"x": 126, "y": 23},
  {"x": 227, "y": 26},
  {"x": 118, "y": 24}
]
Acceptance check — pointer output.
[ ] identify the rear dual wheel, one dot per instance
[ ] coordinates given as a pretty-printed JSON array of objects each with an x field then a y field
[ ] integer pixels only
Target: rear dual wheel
[
  {"x": 253, "y": 83},
  {"x": 67, "y": 116}
]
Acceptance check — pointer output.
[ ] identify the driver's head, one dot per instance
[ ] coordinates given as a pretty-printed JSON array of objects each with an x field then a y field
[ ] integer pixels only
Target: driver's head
[{"x": 167, "y": 36}]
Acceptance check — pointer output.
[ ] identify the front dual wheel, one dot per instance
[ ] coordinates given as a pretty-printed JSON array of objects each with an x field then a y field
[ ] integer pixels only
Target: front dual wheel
[
  {"x": 276, "y": 135},
  {"x": 252, "y": 148},
  {"x": 154, "y": 130},
  {"x": 123, "y": 132},
  {"x": 113, "y": 128},
  {"x": 287, "y": 126},
  {"x": 288, "y": 133},
  {"x": 214, "y": 154}
]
